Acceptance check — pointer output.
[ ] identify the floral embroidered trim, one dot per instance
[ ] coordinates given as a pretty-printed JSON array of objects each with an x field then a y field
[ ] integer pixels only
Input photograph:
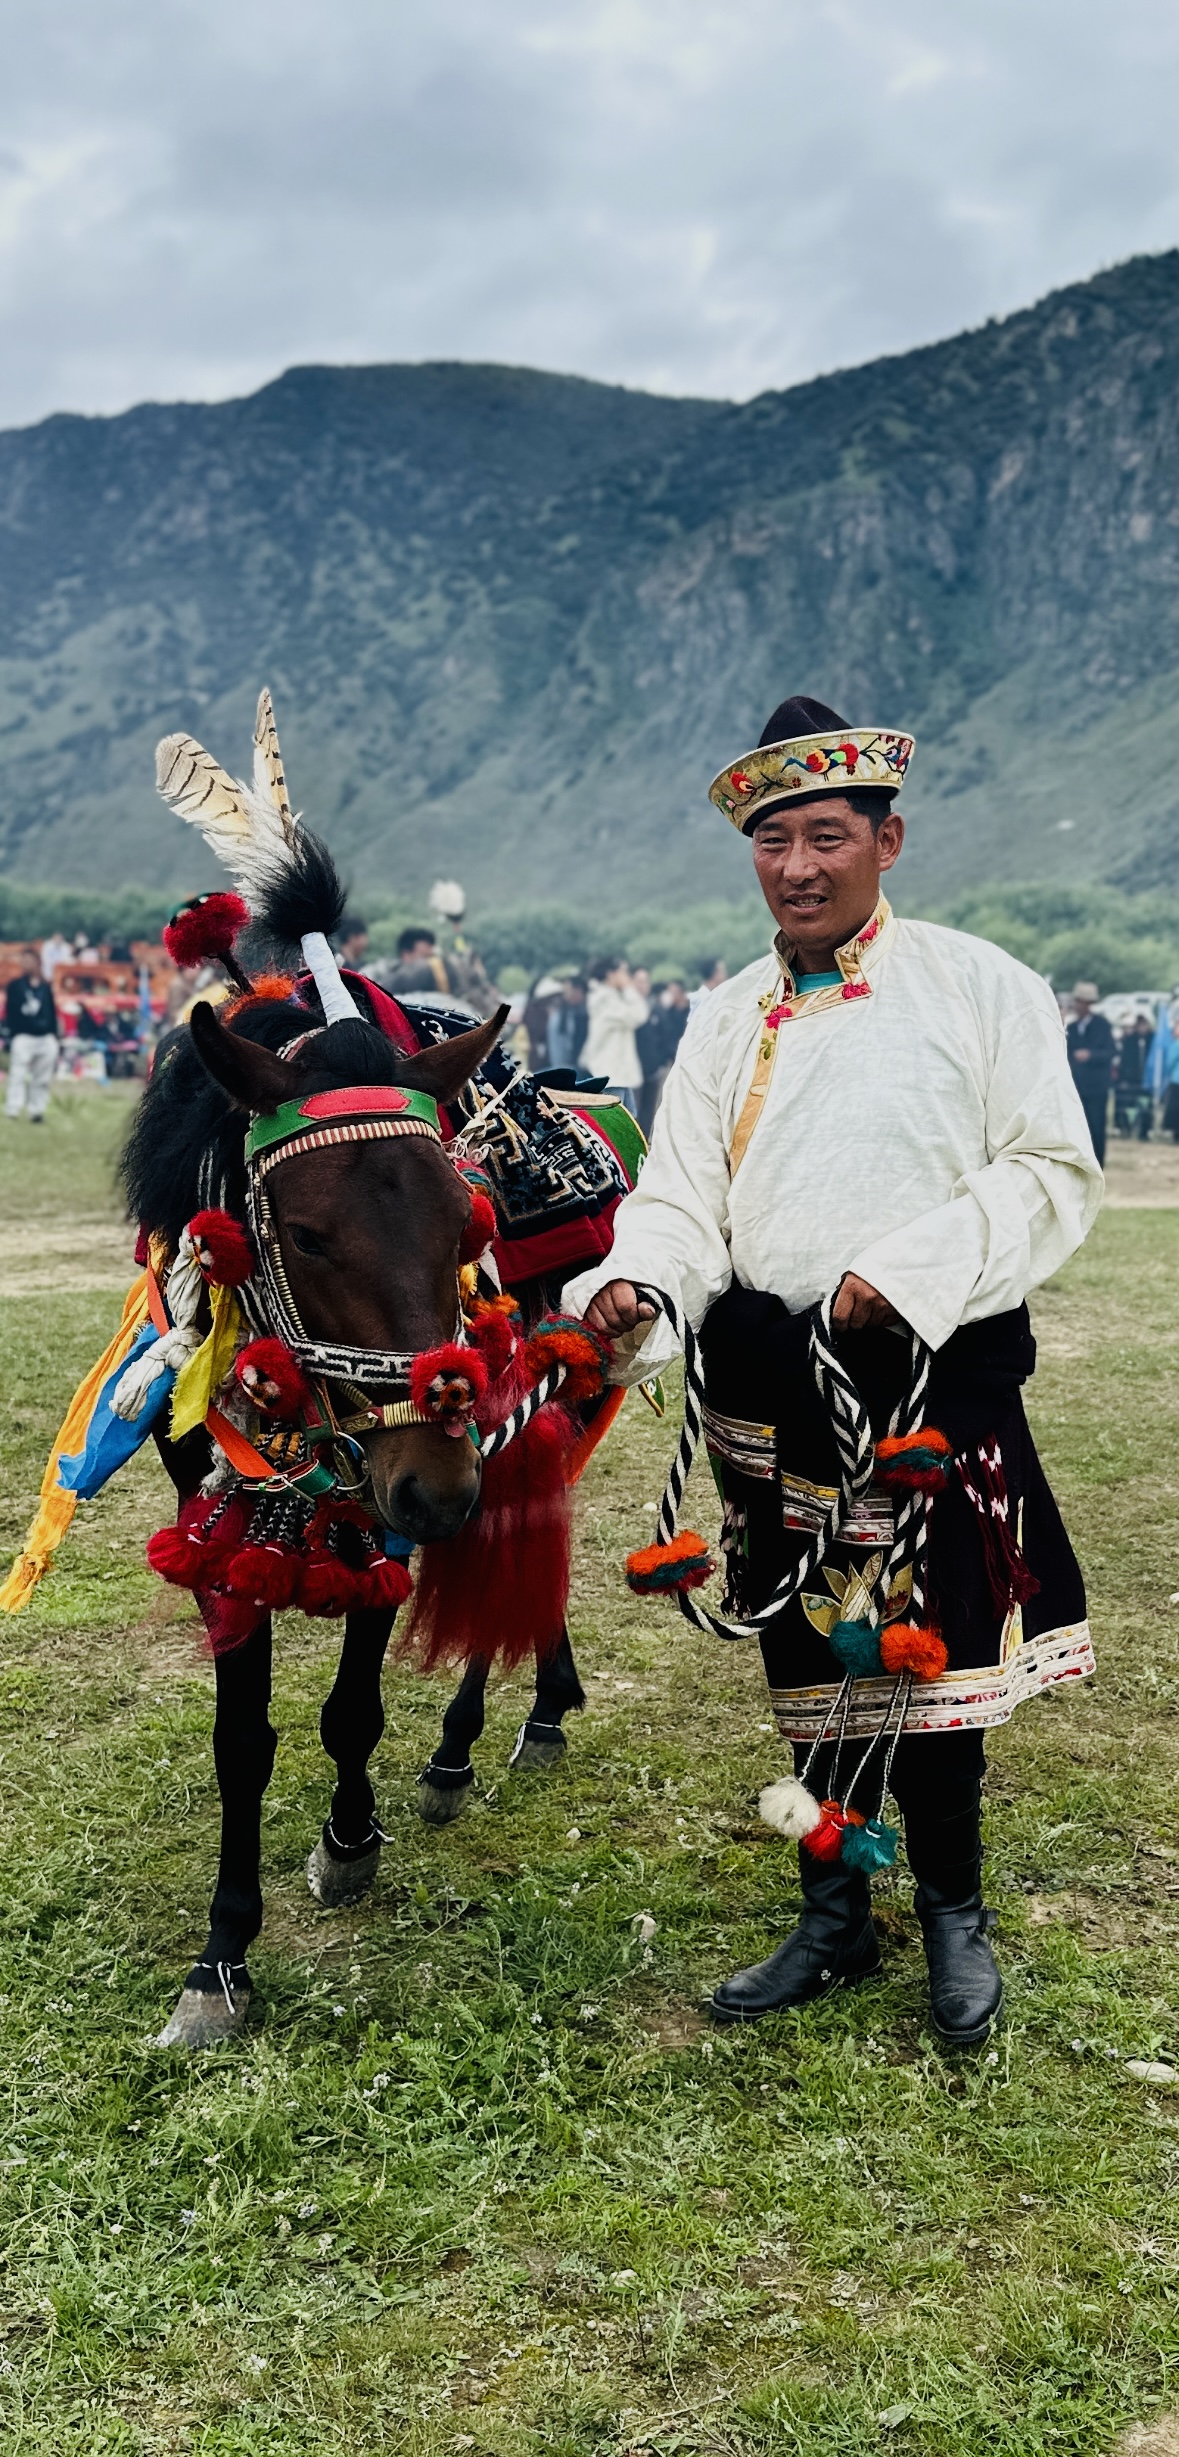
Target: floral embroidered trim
[{"x": 786, "y": 1010}]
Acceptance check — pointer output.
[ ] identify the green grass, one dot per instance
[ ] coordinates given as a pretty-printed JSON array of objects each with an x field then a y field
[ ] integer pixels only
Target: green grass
[{"x": 480, "y": 2178}]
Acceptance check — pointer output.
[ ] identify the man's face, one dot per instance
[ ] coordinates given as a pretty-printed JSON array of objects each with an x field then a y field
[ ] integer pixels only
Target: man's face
[
  {"x": 819, "y": 869},
  {"x": 355, "y": 947},
  {"x": 642, "y": 979},
  {"x": 421, "y": 951}
]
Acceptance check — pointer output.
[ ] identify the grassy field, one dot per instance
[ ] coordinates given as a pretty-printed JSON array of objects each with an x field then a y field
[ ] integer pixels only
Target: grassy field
[{"x": 481, "y": 2178}]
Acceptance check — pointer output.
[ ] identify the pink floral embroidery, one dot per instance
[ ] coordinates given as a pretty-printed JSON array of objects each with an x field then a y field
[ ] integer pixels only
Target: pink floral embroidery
[
  {"x": 778, "y": 1015},
  {"x": 856, "y": 989},
  {"x": 866, "y": 936}
]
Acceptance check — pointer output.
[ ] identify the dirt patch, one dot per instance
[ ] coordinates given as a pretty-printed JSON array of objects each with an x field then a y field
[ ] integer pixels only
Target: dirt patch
[
  {"x": 1157, "y": 2439},
  {"x": 680, "y": 2028},
  {"x": 1105, "y": 1923},
  {"x": 1142, "y": 1176}
]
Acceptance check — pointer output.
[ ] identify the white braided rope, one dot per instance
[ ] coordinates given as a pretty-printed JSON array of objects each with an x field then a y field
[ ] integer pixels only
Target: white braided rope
[
  {"x": 530, "y": 1406},
  {"x": 852, "y": 1429}
]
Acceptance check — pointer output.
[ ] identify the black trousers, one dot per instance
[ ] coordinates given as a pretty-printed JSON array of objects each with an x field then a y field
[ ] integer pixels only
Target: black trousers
[
  {"x": 936, "y": 1779},
  {"x": 1095, "y": 1103}
]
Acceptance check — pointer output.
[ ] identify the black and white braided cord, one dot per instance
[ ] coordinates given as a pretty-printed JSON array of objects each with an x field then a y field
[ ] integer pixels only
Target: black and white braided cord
[
  {"x": 531, "y": 1404},
  {"x": 852, "y": 1429}
]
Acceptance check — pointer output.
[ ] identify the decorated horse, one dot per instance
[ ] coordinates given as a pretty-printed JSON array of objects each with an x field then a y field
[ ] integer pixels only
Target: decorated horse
[{"x": 354, "y": 1218}]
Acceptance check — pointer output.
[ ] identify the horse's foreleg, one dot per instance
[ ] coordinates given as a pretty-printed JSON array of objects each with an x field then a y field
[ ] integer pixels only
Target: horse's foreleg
[
  {"x": 344, "y": 1861},
  {"x": 443, "y": 1785},
  {"x": 541, "y": 1741},
  {"x": 216, "y": 1992}
]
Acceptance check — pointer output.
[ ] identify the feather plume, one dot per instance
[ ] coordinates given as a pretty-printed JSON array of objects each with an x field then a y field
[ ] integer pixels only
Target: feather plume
[
  {"x": 269, "y": 778},
  {"x": 246, "y": 830}
]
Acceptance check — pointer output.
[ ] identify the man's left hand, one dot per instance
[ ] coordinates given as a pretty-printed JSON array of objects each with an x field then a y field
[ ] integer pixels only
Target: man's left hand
[{"x": 860, "y": 1307}]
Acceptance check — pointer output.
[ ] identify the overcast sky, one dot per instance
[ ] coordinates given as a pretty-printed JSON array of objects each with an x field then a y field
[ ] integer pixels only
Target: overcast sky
[{"x": 690, "y": 197}]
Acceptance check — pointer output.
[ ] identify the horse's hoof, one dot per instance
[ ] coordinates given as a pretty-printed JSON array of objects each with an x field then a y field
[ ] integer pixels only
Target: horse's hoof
[
  {"x": 335, "y": 1882},
  {"x": 540, "y": 1749},
  {"x": 442, "y": 1796},
  {"x": 205, "y": 2020}
]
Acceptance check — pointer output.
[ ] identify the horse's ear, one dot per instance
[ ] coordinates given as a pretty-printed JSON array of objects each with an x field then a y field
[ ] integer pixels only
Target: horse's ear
[
  {"x": 443, "y": 1069},
  {"x": 253, "y": 1077}
]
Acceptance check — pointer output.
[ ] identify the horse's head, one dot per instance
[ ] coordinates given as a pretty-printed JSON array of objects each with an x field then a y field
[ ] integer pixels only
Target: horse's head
[{"x": 368, "y": 1235}]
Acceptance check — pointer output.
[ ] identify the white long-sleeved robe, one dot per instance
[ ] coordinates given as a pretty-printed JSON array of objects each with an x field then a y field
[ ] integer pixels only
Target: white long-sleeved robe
[{"x": 924, "y": 1133}]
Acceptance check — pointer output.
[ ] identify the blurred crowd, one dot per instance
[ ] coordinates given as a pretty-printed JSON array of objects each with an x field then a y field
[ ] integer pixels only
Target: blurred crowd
[
  {"x": 77, "y": 1008},
  {"x": 1124, "y": 1054}
]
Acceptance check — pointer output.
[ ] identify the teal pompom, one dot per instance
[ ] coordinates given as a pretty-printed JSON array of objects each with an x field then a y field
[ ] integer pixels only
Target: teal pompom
[
  {"x": 856, "y": 1645},
  {"x": 869, "y": 1847}
]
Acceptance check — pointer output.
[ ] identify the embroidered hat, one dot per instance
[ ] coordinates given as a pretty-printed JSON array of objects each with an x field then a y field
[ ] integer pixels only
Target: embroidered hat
[{"x": 806, "y": 748}]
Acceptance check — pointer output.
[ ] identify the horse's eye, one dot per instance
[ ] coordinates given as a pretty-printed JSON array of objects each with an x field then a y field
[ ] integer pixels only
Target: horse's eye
[{"x": 307, "y": 1241}]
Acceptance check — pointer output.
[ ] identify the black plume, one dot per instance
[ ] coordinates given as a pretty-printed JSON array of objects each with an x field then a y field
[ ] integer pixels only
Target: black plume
[{"x": 308, "y": 896}]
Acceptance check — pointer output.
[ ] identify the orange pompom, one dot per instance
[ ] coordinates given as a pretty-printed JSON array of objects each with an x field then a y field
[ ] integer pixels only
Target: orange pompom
[
  {"x": 906, "y": 1648},
  {"x": 918, "y": 1461},
  {"x": 662, "y": 1569},
  {"x": 563, "y": 1339}
]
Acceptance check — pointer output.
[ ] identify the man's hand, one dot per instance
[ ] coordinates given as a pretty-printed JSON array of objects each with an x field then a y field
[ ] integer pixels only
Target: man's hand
[
  {"x": 858, "y": 1307},
  {"x": 617, "y": 1309}
]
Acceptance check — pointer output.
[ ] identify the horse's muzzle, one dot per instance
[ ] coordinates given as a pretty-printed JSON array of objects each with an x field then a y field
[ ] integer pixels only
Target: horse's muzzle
[{"x": 425, "y": 1486}]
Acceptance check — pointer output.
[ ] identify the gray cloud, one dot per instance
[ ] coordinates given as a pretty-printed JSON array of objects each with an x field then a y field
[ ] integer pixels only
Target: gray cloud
[{"x": 668, "y": 193}]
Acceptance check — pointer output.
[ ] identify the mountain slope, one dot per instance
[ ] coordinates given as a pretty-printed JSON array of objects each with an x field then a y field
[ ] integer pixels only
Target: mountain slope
[{"x": 514, "y": 622}]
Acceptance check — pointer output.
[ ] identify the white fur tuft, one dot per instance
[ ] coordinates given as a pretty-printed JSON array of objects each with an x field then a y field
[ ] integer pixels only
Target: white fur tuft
[
  {"x": 789, "y": 1808},
  {"x": 336, "y": 1001}
]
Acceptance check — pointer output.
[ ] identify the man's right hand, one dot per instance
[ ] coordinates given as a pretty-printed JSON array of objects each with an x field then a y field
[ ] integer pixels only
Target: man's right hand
[{"x": 617, "y": 1308}]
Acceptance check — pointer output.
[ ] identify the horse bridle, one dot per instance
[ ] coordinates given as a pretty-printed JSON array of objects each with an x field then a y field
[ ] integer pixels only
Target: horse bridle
[{"x": 355, "y": 1114}]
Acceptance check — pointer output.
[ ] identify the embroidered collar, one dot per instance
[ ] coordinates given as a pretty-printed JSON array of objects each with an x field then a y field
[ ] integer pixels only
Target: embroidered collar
[{"x": 852, "y": 960}]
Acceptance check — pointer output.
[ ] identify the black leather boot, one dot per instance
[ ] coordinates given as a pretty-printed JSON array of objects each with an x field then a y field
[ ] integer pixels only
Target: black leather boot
[
  {"x": 833, "y": 1946},
  {"x": 965, "y": 1988}
]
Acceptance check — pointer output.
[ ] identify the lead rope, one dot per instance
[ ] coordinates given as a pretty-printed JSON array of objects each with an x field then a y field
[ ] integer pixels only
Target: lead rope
[{"x": 857, "y": 1453}]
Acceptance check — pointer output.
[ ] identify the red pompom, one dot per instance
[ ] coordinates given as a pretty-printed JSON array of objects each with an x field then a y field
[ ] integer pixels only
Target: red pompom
[
  {"x": 205, "y": 928},
  {"x": 266, "y": 1573},
  {"x": 387, "y": 1585},
  {"x": 222, "y": 1248},
  {"x": 906, "y": 1648},
  {"x": 918, "y": 1462},
  {"x": 481, "y": 1228},
  {"x": 179, "y": 1555},
  {"x": 272, "y": 1378},
  {"x": 825, "y": 1841},
  {"x": 448, "y": 1383},
  {"x": 563, "y": 1339},
  {"x": 326, "y": 1585}
]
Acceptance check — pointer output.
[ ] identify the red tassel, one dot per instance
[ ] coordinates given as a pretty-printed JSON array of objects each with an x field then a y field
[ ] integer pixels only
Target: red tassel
[
  {"x": 387, "y": 1585},
  {"x": 266, "y": 1573},
  {"x": 500, "y": 1587},
  {"x": 481, "y": 1229},
  {"x": 203, "y": 931},
  {"x": 326, "y": 1585},
  {"x": 272, "y": 1378},
  {"x": 222, "y": 1248},
  {"x": 904, "y": 1647}
]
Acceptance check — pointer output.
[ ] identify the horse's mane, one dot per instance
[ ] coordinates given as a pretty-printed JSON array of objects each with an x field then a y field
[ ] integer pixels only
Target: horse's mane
[{"x": 186, "y": 1148}]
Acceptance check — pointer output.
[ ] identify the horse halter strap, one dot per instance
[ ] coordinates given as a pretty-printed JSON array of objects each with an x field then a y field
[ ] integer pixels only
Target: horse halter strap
[{"x": 355, "y": 1114}]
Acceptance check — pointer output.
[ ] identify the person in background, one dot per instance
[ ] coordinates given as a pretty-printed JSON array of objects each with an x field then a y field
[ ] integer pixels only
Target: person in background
[
  {"x": 543, "y": 1000},
  {"x": 616, "y": 1009},
  {"x": 84, "y": 951},
  {"x": 30, "y": 1019},
  {"x": 568, "y": 1023},
  {"x": 1132, "y": 1101},
  {"x": 667, "y": 1020},
  {"x": 1165, "y": 1031},
  {"x": 713, "y": 970},
  {"x": 352, "y": 942},
  {"x": 649, "y": 1042},
  {"x": 418, "y": 966},
  {"x": 55, "y": 950},
  {"x": 1091, "y": 1057}
]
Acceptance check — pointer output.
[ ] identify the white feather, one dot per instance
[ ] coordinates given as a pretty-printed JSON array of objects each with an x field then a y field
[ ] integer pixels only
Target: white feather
[{"x": 246, "y": 829}]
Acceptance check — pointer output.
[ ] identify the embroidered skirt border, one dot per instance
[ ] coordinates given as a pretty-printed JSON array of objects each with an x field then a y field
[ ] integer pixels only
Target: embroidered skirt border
[{"x": 959, "y": 1701}]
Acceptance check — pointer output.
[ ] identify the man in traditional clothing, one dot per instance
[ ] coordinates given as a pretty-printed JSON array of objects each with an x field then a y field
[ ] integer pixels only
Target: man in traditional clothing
[
  {"x": 1090, "y": 1043},
  {"x": 882, "y": 1108}
]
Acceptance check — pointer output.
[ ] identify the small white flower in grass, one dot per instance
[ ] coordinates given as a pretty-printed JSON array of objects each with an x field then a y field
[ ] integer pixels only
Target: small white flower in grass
[
  {"x": 188, "y": 2218},
  {"x": 991, "y": 2057},
  {"x": 588, "y": 2013},
  {"x": 323, "y": 2243},
  {"x": 116, "y": 2226},
  {"x": 306, "y": 2209},
  {"x": 338, "y": 2009},
  {"x": 644, "y": 1926},
  {"x": 256, "y": 2363}
]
